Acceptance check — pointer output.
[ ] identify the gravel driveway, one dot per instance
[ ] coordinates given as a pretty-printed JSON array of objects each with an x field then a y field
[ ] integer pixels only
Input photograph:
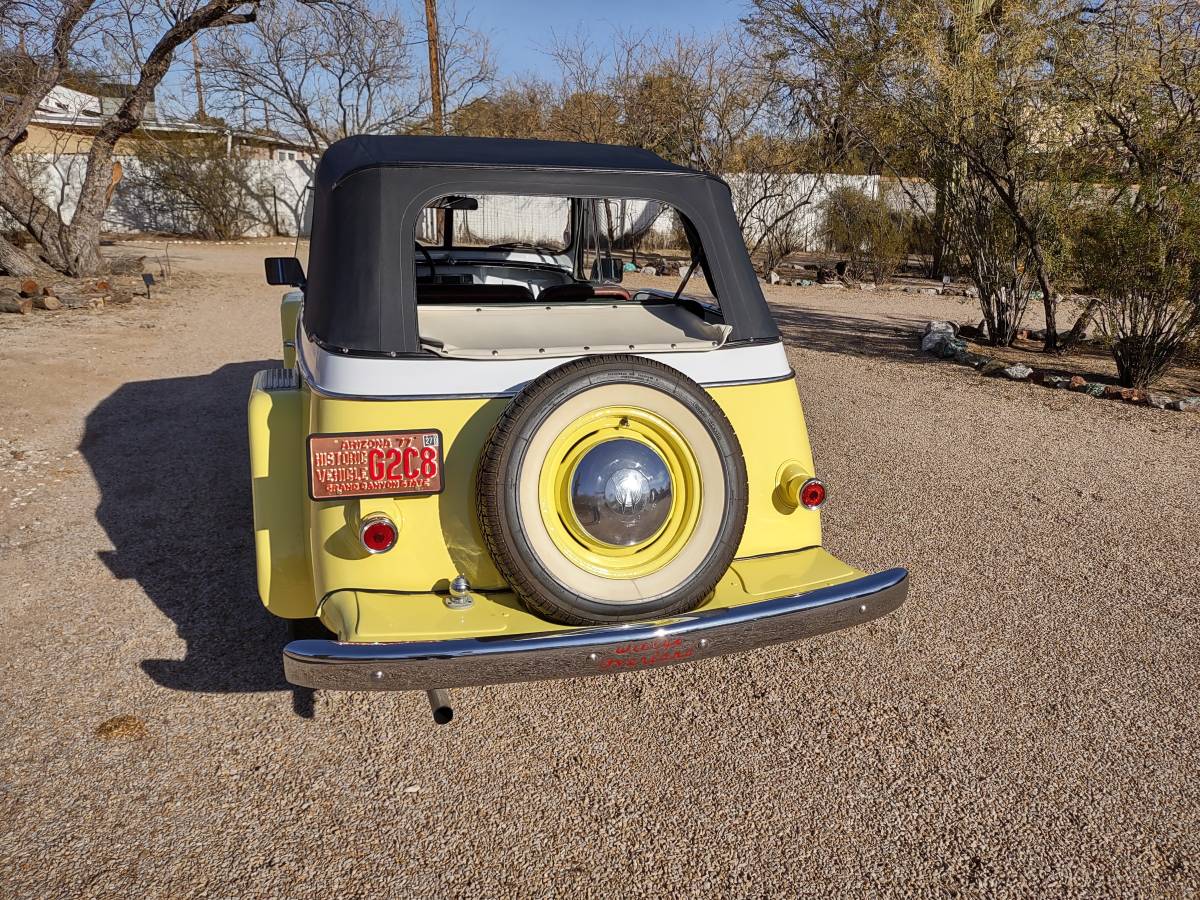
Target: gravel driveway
[{"x": 1027, "y": 723}]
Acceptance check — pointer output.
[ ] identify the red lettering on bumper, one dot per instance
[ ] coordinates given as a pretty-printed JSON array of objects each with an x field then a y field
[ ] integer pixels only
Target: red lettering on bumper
[{"x": 632, "y": 659}]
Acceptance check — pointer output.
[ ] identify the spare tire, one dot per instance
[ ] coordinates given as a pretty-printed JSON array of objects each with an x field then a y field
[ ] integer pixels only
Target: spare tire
[{"x": 611, "y": 489}]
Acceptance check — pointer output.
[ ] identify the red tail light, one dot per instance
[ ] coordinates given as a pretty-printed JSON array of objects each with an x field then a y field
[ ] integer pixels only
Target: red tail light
[
  {"x": 812, "y": 493},
  {"x": 378, "y": 534}
]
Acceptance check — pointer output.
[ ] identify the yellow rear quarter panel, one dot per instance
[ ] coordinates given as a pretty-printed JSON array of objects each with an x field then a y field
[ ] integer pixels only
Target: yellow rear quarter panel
[
  {"x": 309, "y": 550},
  {"x": 278, "y": 477}
]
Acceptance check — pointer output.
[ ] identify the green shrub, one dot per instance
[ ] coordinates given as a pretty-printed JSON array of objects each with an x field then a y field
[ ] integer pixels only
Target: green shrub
[
  {"x": 1142, "y": 260},
  {"x": 867, "y": 230},
  {"x": 207, "y": 190},
  {"x": 998, "y": 258}
]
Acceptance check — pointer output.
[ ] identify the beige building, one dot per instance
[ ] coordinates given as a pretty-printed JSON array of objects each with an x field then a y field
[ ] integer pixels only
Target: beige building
[{"x": 67, "y": 120}]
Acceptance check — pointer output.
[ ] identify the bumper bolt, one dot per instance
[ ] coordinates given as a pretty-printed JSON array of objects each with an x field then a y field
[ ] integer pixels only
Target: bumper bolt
[{"x": 460, "y": 594}]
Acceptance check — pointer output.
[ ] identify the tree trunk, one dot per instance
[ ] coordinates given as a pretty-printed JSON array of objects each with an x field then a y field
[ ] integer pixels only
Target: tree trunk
[
  {"x": 71, "y": 300},
  {"x": 83, "y": 247},
  {"x": 43, "y": 223},
  {"x": 940, "y": 264},
  {"x": 11, "y": 302},
  {"x": 18, "y": 263},
  {"x": 74, "y": 249},
  {"x": 1049, "y": 298},
  {"x": 18, "y": 114},
  {"x": 1050, "y": 305},
  {"x": 1080, "y": 325}
]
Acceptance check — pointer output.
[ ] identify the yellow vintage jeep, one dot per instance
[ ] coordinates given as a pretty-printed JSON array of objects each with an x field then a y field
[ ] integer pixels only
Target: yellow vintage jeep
[{"x": 488, "y": 460}]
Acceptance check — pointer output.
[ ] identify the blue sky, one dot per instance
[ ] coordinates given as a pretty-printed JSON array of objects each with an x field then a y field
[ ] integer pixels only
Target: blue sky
[{"x": 521, "y": 29}]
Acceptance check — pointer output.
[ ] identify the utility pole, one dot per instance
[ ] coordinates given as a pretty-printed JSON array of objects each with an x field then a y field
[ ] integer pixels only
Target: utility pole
[
  {"x": 435, "y": 66},
  {"x": 199, "y": 87}
]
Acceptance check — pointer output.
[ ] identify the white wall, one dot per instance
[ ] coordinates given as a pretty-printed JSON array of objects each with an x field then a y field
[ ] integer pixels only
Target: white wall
[
  {"x": 283, "y": 204},
  {"x": 761, "y": 199}
]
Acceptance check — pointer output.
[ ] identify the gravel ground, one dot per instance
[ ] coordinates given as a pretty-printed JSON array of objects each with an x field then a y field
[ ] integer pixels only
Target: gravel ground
[{"x": 1026, "y": 723}]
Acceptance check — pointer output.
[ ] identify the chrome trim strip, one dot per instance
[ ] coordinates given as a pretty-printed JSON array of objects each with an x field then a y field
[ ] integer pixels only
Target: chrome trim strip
[
  {"x": 738, "y": 382},
  {"x": 581, "y": 652},
  {"x": 503, "y": 395},
  {"x": 355, "y": 378}
]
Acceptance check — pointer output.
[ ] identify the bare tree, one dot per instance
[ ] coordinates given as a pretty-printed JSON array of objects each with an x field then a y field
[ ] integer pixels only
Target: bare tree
[
  {"x": 332, "y": 73},
  {"x": 46, "y": 38},
  {"x": 998, "y": 258},
  {"x": 584, "y": 106},
  {"x": 468, "y": 68},
  {"x": 770, "y": 200},
  {"x": 714, "y": 104}
]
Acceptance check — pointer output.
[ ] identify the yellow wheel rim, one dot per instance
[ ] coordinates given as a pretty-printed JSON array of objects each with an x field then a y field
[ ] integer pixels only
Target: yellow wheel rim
[{"x": 558, "y": 512}]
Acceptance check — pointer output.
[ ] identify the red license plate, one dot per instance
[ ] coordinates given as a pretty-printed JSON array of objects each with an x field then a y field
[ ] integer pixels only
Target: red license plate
[{"x": 375, "y": 464}]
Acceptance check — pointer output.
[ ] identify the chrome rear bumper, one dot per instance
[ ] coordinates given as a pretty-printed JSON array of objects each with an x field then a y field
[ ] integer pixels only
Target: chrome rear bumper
[{"x": 579, "y": 652}]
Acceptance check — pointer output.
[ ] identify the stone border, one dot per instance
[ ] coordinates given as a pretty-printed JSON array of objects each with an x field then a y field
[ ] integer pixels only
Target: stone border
[{"x": 941, "y": 339}]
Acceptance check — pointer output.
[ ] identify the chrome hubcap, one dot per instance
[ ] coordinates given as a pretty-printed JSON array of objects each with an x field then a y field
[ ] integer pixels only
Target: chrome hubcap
[{"x": 621, "y": 492}]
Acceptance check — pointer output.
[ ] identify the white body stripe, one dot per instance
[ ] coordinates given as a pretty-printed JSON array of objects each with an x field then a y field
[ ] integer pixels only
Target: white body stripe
[{"x": 374, "y": 378}]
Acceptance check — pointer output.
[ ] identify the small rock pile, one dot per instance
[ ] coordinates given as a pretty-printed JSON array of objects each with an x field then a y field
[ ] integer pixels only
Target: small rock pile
[
  {"x": 941, "y": 339},
  {"x": 657, "y": 267}
]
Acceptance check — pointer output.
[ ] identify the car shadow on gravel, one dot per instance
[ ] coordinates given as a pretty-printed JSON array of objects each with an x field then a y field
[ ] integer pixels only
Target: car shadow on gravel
[
  {"x": 171, "y": 459},
  {"x": 893, "y": 338}
]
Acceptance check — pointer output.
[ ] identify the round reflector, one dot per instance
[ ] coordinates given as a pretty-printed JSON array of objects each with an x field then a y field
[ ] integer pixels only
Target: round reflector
[
  {"x": 812, "y": 493},
  {"x": 377, "y": 534}
]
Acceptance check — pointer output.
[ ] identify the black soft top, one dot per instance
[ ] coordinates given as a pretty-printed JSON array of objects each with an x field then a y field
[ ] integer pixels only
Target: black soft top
[
  {"x": 348, "y": 156},
  {"x": 370, "y": 190}
]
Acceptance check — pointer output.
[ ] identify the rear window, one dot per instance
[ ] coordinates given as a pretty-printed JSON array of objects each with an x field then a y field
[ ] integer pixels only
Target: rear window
[
  {"x": 500, "y": 221},
  {"x": 505, "y": 248}
]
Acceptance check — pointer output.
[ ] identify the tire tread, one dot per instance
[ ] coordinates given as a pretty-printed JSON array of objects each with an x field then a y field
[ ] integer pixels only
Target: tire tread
[{"x": 490, "y": 485}]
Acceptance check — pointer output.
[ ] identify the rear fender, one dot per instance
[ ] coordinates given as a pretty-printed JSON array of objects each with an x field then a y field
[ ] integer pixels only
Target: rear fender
[
  {"x": 289, "y": 315},
  {"x": 277, "y": 468}
]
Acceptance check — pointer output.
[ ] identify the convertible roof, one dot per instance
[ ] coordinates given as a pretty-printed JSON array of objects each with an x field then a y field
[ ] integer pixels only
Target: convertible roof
[
  {"x": 369, "y": 191},
  {"x": 366, "y": 151}
]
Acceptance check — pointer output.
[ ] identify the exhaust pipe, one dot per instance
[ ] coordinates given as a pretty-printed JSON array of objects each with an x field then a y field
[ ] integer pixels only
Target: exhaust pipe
[{"x": 439, "y": 703}]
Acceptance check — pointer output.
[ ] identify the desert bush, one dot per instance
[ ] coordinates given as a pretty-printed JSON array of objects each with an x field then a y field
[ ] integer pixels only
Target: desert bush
[
  {"x": 867, "y": 230},
  {"x": 208, "y": 191},
  {"x": 998, "y": 260},
  {"x": 783, "y": 238},
  {"x": 1142, "y": 260},
  {"x": 925, "y": 243}
]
